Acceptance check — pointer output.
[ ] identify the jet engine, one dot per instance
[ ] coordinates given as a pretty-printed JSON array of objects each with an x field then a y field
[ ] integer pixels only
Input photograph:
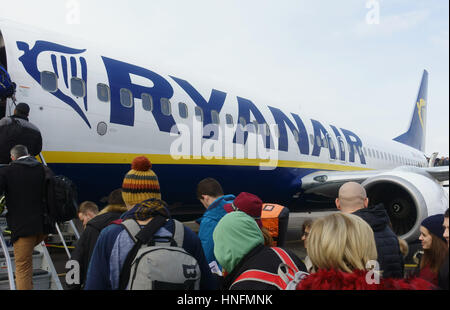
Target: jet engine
[{"x": 409, "y": 195}]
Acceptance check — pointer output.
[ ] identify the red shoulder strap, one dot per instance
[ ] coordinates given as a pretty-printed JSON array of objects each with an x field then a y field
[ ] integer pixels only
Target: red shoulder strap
[
  {"x": 261, "y": 276},
  {"x": 285, "y": 258},
  {"x": 118, "y": 222}
]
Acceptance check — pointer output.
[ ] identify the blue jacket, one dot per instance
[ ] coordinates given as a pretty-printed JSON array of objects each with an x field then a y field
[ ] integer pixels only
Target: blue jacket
[
  {"x": 208, "y": 223},
  {"x": 112, "y": 248}
]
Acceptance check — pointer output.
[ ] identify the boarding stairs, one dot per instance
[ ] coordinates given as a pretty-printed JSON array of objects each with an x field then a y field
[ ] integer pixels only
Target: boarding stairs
[{"x": 45, "y": 276}]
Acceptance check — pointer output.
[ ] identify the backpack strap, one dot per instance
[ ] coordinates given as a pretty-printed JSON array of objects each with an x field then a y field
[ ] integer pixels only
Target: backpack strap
[
  {"x": 286, "y": 259},
  {"x": 132, "y": 227},
  {"x": 261, "y": 276},
  {"x": 178, "y": 234}
]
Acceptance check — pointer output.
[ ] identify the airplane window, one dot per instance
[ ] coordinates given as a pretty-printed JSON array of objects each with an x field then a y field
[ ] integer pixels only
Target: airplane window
[
  {"x": 365, "y": 151},
  {"x": 229, "y": 119},
  {"x": 311, "y": 138},
  {"x": 378, "y": 154},
  {"x": 324, "y": 142},
  {"x": 165, "y": 107},
  {"x": 277, "y": 132},
  {"x": 329, "y": 142},
  {"x": 296, "y": 137},
  {"x": 199, "y": 114},
  {"x": 318, "y": 140},
  {"x": 370, "y": 152},
  {"x": 267, "y": 129},
  {"x": 215, "y": 117},
  {"x": 255, "y": 123},
  {"x": 49, "y": 81},
  {"x": 77, "y": 87},
  {"x": 147, "y": 102},
  {"x": 126, "y": 98},
  {"x": 103, "y": 92},
  {"x": 182, "y": 109},
  {"x": 242, "y": 122},
  {"x": 341, "y": 144}
]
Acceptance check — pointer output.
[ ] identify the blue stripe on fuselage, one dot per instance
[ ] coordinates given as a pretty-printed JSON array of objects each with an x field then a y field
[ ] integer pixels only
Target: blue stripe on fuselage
[{"x": 178, "y": 182}]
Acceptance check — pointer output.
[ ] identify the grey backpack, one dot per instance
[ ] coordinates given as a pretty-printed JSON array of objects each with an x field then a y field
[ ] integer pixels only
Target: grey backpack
[{"x": 160, "y": 264}]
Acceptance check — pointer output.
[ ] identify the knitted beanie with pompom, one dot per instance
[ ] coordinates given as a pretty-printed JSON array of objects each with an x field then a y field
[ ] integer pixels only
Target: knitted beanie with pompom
[{"x": 140, "y": 183}]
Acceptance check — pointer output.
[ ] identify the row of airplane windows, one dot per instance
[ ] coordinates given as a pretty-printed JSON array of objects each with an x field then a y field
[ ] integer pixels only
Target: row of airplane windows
[{"x": 49, "y": 82}]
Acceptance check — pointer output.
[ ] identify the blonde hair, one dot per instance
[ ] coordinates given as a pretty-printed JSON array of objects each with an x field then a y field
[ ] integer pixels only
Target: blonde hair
[
  {"x": 404, "y": 247},
  {"x": 342, "y": 242}
]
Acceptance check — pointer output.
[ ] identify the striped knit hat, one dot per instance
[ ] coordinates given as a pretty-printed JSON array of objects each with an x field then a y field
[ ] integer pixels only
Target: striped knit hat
[{"x": 140, "y": 183}]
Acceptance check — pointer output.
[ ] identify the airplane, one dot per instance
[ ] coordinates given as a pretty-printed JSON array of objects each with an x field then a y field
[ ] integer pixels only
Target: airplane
[{"x": 97, "y": 112}]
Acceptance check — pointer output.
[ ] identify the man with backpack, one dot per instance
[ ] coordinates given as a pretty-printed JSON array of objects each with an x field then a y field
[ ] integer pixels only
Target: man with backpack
[
  {"x": 16, "y": 130},
  {"x": 22, "y": 181},
  {"x": 147, "y": 229}
]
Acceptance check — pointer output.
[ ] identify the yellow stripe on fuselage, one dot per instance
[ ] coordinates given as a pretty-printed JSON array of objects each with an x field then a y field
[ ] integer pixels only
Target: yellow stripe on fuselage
[{"x": 126, "y": 158}]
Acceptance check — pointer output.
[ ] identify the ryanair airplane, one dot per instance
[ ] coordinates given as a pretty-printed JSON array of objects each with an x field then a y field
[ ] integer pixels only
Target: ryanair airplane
[{"x": 97, "y": 112}]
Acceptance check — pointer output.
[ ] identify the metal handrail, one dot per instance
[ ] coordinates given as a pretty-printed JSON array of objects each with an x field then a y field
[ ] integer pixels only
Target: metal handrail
[
  {"x": 51, "y": 266},
  {"x": 63, "y": 241},
  {"x": 75, "y": 230},
  {"x": 12, "y": 284}
]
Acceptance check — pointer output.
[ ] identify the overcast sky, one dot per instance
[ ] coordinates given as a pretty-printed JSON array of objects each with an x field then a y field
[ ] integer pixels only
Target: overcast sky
[{"x": 333, "y": 60}]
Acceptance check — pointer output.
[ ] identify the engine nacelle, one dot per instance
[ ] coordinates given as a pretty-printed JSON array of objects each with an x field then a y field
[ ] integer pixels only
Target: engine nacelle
[{"x": 409, "y": 195}]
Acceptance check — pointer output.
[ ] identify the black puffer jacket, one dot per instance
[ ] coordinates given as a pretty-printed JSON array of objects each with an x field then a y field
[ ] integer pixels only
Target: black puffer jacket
[
  {"x": 16, "y": 130},
  {"x": 389, "y": 256}
]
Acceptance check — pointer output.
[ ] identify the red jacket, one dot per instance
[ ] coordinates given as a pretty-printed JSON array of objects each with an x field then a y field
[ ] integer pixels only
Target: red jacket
[{"x": 338, "y": 280}]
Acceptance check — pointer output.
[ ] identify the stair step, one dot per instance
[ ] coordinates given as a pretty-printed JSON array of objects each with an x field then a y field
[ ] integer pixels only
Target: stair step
[
  {"x": 37, "y": 260},
  {"x": 41, "y": 280}
]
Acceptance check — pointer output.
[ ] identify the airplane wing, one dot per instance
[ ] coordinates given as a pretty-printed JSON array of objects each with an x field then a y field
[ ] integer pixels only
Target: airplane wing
[
  {"x": 439, "y": 173},
  {"x": 327, "y": 183}
]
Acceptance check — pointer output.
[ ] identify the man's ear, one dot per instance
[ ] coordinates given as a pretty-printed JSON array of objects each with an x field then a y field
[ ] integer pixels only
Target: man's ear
[
  {"x": 338, "y": 204},
  {"x": 366, "y": 202}
]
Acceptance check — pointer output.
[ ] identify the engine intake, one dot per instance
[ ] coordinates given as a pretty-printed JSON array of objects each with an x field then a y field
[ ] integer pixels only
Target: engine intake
[{"x": 409, "y": 196}]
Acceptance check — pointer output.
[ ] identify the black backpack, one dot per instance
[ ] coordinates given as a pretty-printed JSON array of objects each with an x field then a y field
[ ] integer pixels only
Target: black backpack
[{"x": 60, "y": 197}]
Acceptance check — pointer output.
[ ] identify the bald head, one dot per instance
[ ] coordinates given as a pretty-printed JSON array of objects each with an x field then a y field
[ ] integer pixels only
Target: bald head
[{"x": 352, "y": 197}]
